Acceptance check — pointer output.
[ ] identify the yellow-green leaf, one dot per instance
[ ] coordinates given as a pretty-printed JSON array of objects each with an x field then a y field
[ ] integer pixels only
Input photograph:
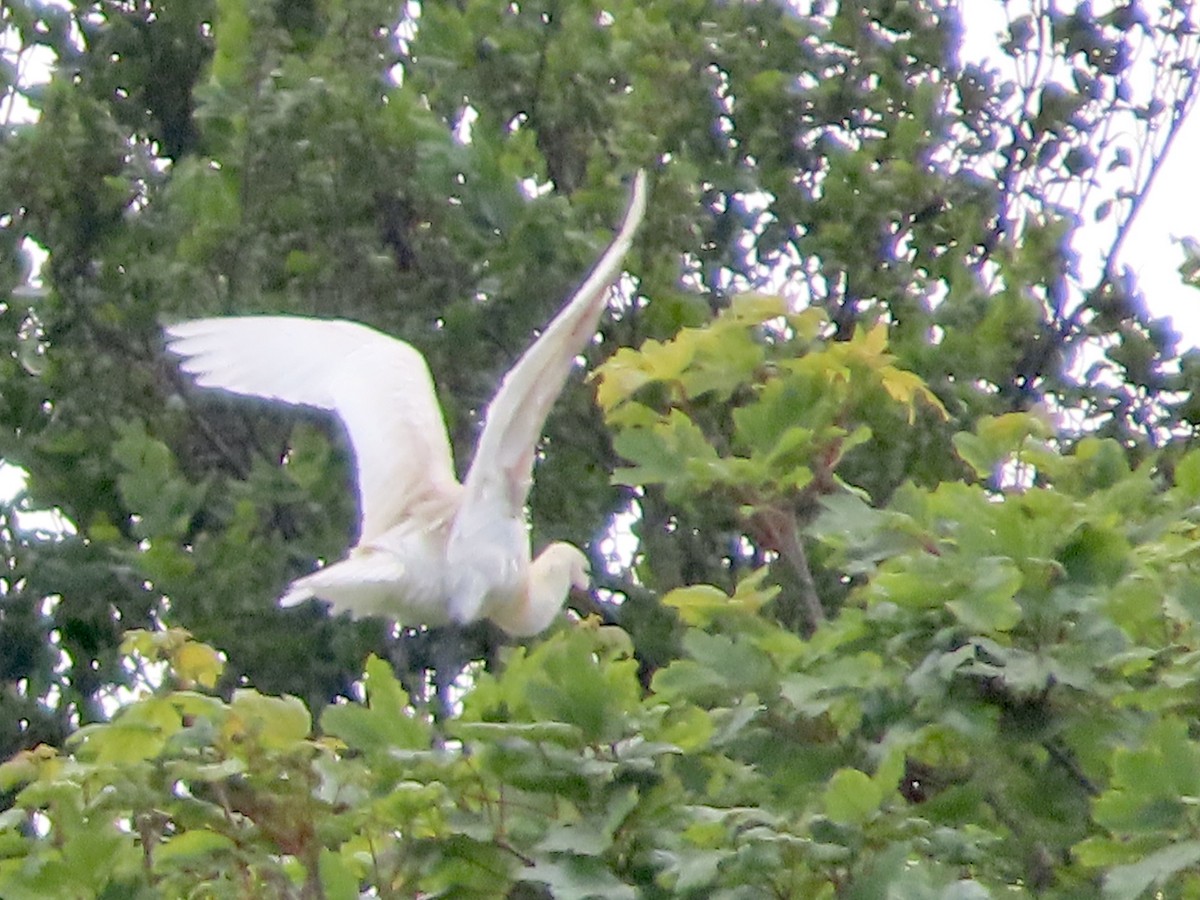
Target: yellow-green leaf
[
  {"x": 852, "y": 797},
  {"x": 197, "y": 663}
]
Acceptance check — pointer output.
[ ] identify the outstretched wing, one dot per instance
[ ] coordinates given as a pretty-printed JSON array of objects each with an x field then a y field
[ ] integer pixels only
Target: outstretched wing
[
  {"x": 503, "y": 464},
  {"x": 379, "y": 387}
]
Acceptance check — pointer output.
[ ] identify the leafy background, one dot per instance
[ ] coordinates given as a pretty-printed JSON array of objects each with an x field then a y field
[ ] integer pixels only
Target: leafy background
[{"x": 908, "y": 603}]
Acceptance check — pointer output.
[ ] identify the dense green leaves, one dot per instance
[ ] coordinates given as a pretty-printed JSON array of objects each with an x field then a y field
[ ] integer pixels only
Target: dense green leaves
[
  {"x": 990, "y": 681},
  {"x": 987, "y": 684},
  {"x": 887, "y": 484}
]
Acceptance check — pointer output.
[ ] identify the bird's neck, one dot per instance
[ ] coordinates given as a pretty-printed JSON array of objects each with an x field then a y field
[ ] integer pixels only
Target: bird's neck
[{"x": 537, "y": 603}]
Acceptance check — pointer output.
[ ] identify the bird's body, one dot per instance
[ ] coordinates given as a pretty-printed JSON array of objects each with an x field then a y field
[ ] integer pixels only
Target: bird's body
[
  {"x": 430, "y": 550},
  {"x": 401, "y": 569}
]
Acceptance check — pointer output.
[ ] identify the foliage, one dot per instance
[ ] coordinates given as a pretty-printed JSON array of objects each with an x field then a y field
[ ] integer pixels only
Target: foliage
[
  {"x": 756, "y": 421},
  {"x": 905, "y": 606},
  {"x": 999, "y": 707}
]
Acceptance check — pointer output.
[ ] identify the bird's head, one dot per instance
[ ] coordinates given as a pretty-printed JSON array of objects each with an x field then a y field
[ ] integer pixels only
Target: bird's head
[{"x": 578, "y": 565}]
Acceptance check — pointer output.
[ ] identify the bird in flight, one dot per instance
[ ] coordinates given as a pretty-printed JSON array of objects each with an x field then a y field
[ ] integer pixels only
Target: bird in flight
[{"x": 430, "y": 550}]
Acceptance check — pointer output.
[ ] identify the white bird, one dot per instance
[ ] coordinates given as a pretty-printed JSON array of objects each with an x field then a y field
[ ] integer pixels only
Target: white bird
[{"x": 430, "y": 550}]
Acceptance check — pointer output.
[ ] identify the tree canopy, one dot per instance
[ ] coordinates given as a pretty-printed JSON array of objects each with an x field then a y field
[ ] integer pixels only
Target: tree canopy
[{"x": 885, "y": 472}]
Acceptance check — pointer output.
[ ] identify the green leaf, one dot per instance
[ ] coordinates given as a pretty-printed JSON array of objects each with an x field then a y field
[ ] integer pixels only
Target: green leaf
[
  {"x": 337, "y": 879},
  {"x": 1187, "y": 475},
  {"x": 198, "y": 664},
  {"x": 232, "y": 55},
  {"x": 29, "y": 765},
  {"x": 696, "y": 870},
  {"x": 739, "y": 663},
  {"x": 750, "y": 595},
  {"x": 559, "y": 733},
  {"x": 1130, "y": 881},
  {"x": 661, "y": 452},
  {"x": 697, "y": 604},
  {"x": 597, "y": 699},
  {"x": 906, "y": 388},
  {"x": 1097, "y": 554},
  {"x": 996, "y": 438},
  {"x": 689, "y": 729},
  {"x": 687, "y": 679},
  {"x": 629, "y": 370},
  {"x": 91, "y": 855},
  {"x": 723, "y": 361},
  {"x": 190, "y": 846},
  {"x": 754, "y": 309},
  {"x": 370, "y": 731},
  {"x": 977, "y": 453},
  {"x": 815, "y": 693},
  {"x": 578, "y": 876},
  {"x": 276, "y": 722},
  {"x": 384, "y": 692},
  {"x": 1151, "y": 783},
  {"x": 784, "y": 418},
  {"x": 987, "y": 603},
  {"x": 852, "y": 797},
  {"x": 139, "y": 732},
  {"x": 620, "y": 378},
  {"x": 579, "y": 840}
]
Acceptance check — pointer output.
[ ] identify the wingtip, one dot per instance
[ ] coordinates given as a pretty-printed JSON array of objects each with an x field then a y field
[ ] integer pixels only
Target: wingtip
[
  {"x": 294, "y": 596},
  {"x": 174, "y": 332},
  {"x": 637, "y": 202},
  {"x": 178, "y": 332},
  {"x": 639, "y": 181}
]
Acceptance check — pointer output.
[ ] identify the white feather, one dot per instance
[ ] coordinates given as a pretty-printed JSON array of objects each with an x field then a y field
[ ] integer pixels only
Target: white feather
[{"x": 429, "y": 550}]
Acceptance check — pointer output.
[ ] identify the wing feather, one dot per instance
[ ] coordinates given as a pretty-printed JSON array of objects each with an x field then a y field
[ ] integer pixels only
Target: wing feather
[
  {"x": 379, "y": 387},
  {"x": 503, "y": 464}
]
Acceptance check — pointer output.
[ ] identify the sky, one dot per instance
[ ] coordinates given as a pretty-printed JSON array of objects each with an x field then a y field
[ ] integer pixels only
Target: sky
[{"x": 1171, "y": 211}]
